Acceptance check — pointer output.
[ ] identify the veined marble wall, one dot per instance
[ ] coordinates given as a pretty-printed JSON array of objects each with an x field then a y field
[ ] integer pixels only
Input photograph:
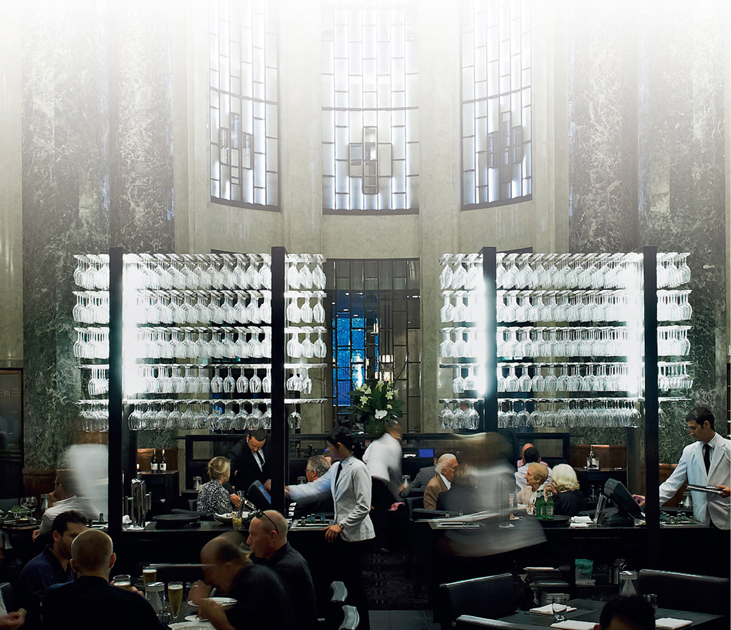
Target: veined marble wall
[
  {"x": 648, "y": 163},
  {"x": 97, "y": 172}
]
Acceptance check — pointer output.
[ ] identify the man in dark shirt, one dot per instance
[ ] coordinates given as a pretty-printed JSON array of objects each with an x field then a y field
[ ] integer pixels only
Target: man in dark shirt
[
  {"x": 90, "y": 601},
  {"x": 268, "y": 543},
  {"x": 49, "y": 567},
  {"x": 260, "y": 598}
]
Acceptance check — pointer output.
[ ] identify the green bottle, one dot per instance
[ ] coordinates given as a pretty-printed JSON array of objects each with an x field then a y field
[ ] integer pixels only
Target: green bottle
[
  {"x": 540, "y": 506},
  {"x": 549, "y": 507}
]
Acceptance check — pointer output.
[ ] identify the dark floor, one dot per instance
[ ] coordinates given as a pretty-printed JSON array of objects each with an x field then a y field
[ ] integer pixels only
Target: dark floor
[{"x": 387, "y": 585}]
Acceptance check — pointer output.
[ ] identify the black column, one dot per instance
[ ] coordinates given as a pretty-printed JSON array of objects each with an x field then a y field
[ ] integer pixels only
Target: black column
[
  {"x": 115, "y": 391},
  {"x": 279, "y": 452},
  {"x": 489, "y": 276},
  {"x": 652, "y": 427}
]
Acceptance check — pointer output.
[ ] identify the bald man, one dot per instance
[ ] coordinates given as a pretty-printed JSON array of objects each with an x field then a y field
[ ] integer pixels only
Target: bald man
[
  {"x": 268, "y": 543},
  {"x": 441, "y": 482},
  {"x": 261, "y": 601},
  {"x": 90, "y": 601}
]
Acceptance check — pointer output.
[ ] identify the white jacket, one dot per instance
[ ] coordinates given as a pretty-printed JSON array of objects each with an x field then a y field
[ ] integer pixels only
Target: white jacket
[{"x": 692, "y": 469}]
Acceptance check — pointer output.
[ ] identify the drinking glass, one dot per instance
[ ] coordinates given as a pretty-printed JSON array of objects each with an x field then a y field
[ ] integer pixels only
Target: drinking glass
[
  {"x": 446, "y": 417},
  {"x": 149, "y": 575},
  {"x": 122, "y": 581},
  {"x": 559, "y": 604}
]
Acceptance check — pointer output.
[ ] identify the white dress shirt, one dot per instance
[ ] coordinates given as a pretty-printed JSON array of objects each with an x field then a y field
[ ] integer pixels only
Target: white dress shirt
[
  {"x": 351, "y": 497},
  {"x": 446, "y": 481},
  {"x": 692, "y": 468},
  {"x": 383, "y": 459},
  {"x": 82, "y": 506}
]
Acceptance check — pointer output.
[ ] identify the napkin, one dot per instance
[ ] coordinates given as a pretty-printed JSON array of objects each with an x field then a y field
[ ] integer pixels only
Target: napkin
[
  {"x": 581, "y": 519},
  {"x": 671, "y": 624},
  {"x": 574, "y": 625},
  {"x": 579, "y": 525},
  {"x": 548, "y": 610}
]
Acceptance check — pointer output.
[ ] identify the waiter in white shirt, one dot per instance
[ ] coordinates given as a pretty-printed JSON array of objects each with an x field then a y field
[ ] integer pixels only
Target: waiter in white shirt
[
  {"x": 706, "y": 462},
  {"x": 349, "y": 483}
]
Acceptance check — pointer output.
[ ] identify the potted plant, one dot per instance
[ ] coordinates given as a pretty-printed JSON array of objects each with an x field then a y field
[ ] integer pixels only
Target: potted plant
[{"x": 374, "y": 404}]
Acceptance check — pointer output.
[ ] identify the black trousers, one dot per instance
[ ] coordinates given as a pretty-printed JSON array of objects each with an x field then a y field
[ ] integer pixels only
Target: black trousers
[
  {"x": 347, "y": 565},
  {"x": 382, "y": 500}
]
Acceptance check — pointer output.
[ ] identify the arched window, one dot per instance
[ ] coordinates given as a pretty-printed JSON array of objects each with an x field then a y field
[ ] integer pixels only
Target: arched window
[
  {"x": 370, "y": 114},
  {"x": 496, "y": 102},
  {"x": 243, "y": 103}
]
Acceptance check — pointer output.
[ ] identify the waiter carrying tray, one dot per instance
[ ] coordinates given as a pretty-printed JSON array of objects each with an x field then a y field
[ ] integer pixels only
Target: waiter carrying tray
[{"x": 705, "y": 464}]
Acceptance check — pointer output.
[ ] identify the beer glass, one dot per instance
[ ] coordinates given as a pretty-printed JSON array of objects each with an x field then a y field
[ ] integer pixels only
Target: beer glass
[{"x": 175, "y": 598}]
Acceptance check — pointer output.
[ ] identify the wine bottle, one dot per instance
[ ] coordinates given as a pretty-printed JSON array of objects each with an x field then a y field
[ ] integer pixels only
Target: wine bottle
[
  {"x": 153, "y": 463},
  {"x": 163, "y": 463}
]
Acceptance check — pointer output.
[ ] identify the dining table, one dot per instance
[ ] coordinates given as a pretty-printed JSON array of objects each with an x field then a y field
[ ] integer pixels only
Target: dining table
[{"x": 588, "y": 610}]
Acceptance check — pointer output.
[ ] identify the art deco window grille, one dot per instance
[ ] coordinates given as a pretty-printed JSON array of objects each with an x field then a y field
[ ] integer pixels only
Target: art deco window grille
[
  {"x": 496, "y": 102},
  {"x": 243, "y": 103},
  {"x": 376, "y": 330},
  {"x": 370, "y": 115}
]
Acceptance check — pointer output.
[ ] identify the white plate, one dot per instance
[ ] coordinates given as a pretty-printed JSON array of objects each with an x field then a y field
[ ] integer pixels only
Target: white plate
[{"x": 226, "y": 602}]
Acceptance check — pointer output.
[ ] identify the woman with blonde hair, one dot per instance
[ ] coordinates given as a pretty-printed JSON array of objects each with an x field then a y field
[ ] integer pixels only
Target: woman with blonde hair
[
  {"x": 567, "y": 498},
  {"x": 213, "y": 498}
]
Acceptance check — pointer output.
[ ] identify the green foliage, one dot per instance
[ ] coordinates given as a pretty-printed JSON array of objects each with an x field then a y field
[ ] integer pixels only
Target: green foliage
[{"x": 375, "y": 405}]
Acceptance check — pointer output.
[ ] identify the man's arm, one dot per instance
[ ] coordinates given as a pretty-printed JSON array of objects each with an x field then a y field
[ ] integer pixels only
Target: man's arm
[
  {"x": 309, "y": 492},
  {"x": 675, "y": 481}
]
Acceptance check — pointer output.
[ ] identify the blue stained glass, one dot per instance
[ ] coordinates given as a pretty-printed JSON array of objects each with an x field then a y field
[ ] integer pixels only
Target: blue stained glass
[
  {"x": 357, "y": 307},
  {"x": 343, "y": 359},
  {"x": 343, "y": 388},
  {"x": 358, "y": 338},
  {"x": 357, "y": 356},
  {"x": 343, "y": 334},
  {"x": 358, "y": 322},
  {"x": 357, "y": 375}
]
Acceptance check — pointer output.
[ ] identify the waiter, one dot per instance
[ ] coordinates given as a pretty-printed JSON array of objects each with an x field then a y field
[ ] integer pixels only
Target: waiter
[
  {"x": 706, "y": 462},
  {"x": 349, "y": 483},
  {"x": 250, "y": 460}
]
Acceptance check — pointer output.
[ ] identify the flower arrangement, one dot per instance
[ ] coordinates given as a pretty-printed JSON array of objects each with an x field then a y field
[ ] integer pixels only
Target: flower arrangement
[{"x": 375, "y": 405}]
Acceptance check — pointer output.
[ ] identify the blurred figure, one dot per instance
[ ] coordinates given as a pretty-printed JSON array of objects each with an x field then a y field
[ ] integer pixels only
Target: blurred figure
[
  {"x": 91, "y": 601},
  {"x": 250, "y": 461},
  {"x": 567, "y": 498},
  {"x": 12, "y": 620},
  {"x": 213, "y": 497},
  {"x": 535, "y": 477},
  {"x": 627, "y": 613},
  {"x": 441, "y": 482},
  {"x": 485, "y": 551},
  {"x": 383, "y": 459},
  {"x": 268, "y": 543},
  {"x": 261, "y": 601},
  {"x": 64, "y": 498},
  {"x": 49, "y": 567},
  {"x": 530, "y": 456},
  {"x": 461, "y": 496}
]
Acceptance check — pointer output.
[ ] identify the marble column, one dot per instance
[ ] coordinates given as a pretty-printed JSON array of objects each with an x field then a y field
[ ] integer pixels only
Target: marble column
[
  {"x": 602, "y": 133},
  {"x": 97, "y": 171},
  {"x": 682, "y": 183}
]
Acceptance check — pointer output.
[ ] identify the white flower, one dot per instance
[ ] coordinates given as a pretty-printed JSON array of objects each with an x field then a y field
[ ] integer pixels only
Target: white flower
[
  {"x": 367, "y": 390},
  {"x": 381, "y": 414},
  {"x": 389, "y": 407},
  {"x": 389, "y": 394},
  {"x": 363, "y": 400}
]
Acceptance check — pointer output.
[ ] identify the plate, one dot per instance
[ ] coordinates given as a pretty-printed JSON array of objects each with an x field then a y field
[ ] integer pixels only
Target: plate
[
  {"x": 224, "y": 518},
  {"x": 226, "y": 602}
]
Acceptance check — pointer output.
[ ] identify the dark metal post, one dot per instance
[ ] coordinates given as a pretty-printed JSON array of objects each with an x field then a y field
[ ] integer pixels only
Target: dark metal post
[
  {"x": 115, "y": 392},
  {"x": 652, "y": 429},
  {"x": 489, "y": 275},
  {"x": 280, "y": 448}
]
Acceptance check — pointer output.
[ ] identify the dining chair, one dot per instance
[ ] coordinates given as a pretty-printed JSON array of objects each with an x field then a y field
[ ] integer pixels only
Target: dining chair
[
  {"x": 488, "y": 597},
  {"x": 686, "y": 591}
]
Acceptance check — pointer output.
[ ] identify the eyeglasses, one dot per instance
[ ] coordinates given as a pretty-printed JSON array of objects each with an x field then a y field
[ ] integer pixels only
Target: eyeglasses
[{"x": 261, "y": 514}]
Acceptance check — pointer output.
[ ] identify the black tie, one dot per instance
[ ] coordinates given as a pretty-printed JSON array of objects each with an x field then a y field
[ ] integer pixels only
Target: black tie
[
  {"x": 707, "y": 457},
  {"x": 337, "y": 474}
]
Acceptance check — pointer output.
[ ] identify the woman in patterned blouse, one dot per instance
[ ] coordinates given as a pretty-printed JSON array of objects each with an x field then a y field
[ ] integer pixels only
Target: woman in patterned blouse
[{"x": 213, "y": 498}]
